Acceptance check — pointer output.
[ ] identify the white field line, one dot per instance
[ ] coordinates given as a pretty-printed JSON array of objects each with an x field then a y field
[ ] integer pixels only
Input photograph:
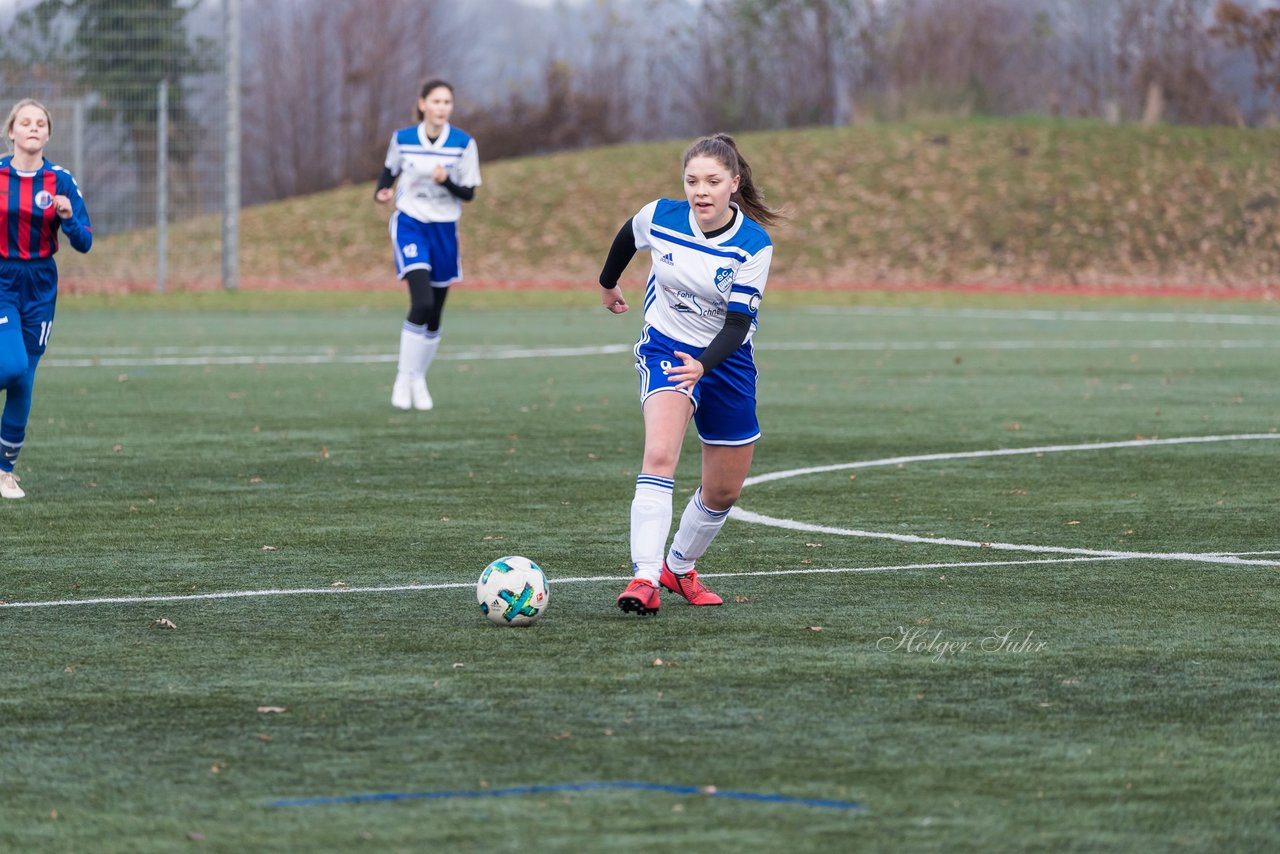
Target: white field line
[
  {"x": 790, "y": 524},
  {"x": 1008, "y": 452},
  {"x": 1201, "y": 318},
  {"x": 171, "y": 357},
  {"x": 748, "y": 516},
  {"x": 470, "y": 585}
]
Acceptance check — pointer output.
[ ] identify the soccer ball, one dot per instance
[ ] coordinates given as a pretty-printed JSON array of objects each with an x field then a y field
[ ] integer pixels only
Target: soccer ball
[{"x": 512, "y": 591}]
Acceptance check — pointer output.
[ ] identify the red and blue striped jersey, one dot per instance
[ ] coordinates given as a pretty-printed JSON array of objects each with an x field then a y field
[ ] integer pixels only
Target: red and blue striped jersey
[{"x": 31, "y": 223}]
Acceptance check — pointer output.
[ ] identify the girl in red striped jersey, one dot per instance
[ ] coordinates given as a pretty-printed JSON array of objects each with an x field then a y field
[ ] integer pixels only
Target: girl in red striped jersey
[{"x": 37, "y": 200}]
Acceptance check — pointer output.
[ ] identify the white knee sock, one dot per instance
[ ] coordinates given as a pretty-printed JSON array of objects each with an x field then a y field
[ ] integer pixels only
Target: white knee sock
[
  {"x": 650, "y": 524},
  {"x": 413, "y": 344},
  {"x": 698, "y": 527},
  {"x": 430, "y": 346}
]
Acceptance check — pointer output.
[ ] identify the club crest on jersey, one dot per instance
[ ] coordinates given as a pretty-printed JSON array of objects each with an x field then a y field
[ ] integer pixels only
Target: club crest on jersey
[
  {"x": 724, "y": 278},
  {"x": 43, "y": 199}
]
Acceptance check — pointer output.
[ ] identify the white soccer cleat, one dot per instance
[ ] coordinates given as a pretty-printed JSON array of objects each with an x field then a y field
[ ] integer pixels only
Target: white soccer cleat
[
  {"x": 401, "y": 392},
  {"x": 9, "y": 486},
  {"x": 418, "y": 391}
]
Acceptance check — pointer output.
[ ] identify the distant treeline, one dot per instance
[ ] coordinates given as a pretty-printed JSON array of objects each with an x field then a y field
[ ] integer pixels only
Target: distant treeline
[{"x": 324, "y": 84}]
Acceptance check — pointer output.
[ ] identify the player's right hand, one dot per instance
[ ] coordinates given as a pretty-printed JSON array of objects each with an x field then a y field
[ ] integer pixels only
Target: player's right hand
[
  {"x": 386, "y": 194},
  {"x": 613, "y": 300}
]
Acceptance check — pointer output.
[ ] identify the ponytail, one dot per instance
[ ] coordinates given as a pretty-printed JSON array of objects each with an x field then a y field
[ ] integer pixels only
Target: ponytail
[{"x": 749, "y": 198}]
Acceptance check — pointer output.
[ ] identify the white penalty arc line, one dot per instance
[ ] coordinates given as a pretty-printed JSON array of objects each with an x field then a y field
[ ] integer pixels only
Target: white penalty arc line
[
  {"x": 790, "y": 524},
  {"x": 555, "y": 582},
  {"x": 1078, "y": 555}
]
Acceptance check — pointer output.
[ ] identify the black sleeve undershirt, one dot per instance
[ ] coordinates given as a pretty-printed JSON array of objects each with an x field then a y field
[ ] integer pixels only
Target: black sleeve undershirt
[
  {"x": 620, "y": 255},
  {"x": 727, "y": 340},
  {"x": 464, "y": 193},
  {"x": 730, "y": 338},
  {"x": 386, "y": 179}
]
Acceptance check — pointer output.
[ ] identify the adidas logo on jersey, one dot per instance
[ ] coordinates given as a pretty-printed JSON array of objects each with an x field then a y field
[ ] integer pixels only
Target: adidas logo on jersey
[{"x": 667, "y": 259}]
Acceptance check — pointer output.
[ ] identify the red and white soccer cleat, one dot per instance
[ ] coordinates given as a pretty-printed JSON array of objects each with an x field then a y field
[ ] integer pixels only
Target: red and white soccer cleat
[
  {"x": 689, "y": 587},
  {"x": 640, "y": 597}
]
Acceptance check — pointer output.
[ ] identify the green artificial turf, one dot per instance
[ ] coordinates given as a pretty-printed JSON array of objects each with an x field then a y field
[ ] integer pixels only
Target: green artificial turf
[{"x": 885, "y": 650}]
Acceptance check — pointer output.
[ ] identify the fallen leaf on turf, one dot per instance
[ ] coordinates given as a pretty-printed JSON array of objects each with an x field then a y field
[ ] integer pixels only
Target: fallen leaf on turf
[
  {"x": 162, "y": 623},
  {"x": 270, "y": 549},
  {"x": 741, "y": 599},
  {"x": 1073, "y": 522},
  {"x": 458, "y": 665},
  {"x": 562, "y": 736},
  {"x": 272, "y": 710},
  {"x": 338, "y": 584},
  {"x": 814, "y": 628}
]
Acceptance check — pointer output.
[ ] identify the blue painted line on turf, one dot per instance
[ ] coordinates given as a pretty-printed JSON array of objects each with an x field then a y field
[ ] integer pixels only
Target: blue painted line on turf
[{"x": 822, "y": 803}]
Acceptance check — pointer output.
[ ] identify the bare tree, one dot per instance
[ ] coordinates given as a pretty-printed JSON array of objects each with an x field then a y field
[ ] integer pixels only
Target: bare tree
[
  {"x": 1259, "y": 33},
  {"x": 328, "y": 85}
]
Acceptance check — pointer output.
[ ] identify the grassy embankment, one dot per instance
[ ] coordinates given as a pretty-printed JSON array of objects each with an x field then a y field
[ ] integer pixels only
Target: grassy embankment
[{"x": 947, "y": 202}]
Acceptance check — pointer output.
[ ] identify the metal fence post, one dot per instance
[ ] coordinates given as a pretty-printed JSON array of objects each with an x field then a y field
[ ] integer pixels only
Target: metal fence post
[
  {"x": 162, "y": 183},
  {"x": 231, "y": 196}
]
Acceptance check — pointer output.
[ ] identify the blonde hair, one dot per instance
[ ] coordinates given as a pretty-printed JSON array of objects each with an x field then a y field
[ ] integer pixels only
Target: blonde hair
[{"x": 13, "y": 117}]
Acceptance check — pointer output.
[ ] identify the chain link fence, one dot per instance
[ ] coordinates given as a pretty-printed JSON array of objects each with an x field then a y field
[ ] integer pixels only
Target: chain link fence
[{"x": 138, "y": 94}]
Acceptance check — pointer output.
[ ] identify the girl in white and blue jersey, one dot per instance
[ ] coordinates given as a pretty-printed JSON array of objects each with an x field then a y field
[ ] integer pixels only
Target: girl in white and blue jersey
[
  {"x": 711, "y": 259},
  {"x": 435, "y": 167}
]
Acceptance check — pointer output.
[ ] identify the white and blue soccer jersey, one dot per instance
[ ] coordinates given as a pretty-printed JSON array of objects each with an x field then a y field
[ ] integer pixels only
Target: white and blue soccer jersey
[
  {"x": 412, "y": 158},
  {"x": 696, "y": 280}
]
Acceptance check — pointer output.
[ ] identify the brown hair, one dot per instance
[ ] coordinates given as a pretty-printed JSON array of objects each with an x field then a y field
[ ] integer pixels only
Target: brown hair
[
  {"x": 13, "y": 117},
  {"x": 429, "y": 87},
  {"x": 724, "y": 150}
]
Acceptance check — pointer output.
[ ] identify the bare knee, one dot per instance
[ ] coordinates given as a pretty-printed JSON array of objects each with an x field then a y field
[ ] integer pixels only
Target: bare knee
[
  {"x": 660, "y": 461},
  {"x": 720, "y": 497}
]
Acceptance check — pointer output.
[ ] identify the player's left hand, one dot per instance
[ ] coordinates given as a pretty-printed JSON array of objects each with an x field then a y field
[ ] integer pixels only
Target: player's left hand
[
  {"x": 687, "y": 373},
  {"x": 440, "y": 175},
  {"x": 62, "y": 205}
]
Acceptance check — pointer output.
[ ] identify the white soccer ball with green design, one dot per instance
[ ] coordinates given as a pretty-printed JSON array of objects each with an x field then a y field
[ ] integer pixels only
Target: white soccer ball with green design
[{"x": 513, "y": 591}]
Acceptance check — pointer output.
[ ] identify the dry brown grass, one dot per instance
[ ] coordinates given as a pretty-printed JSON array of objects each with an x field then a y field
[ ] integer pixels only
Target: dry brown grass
[{"x": 950, "y": 202}]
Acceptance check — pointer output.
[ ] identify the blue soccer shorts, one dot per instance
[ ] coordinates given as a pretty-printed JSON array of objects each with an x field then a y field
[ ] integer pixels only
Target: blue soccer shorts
[
  {"x": 724, "y": 401},
  {"x": 425, "y": 246},
  {"x": 28, "y": 296}
]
